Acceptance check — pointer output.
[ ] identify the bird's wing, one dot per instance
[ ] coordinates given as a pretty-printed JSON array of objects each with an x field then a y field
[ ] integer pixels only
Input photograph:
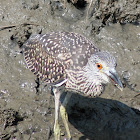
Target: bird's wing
[
  {"x": 41, "y": 62},
  {"x": 49, "y": 55},
  {"x": 71, "y": 48}
]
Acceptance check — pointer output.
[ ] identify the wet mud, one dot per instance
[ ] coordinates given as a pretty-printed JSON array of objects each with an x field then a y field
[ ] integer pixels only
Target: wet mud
[{"x": 26, "y": 105}]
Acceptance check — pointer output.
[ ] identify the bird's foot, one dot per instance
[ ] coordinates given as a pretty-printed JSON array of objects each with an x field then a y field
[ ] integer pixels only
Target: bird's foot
[
  {"x": 57, "y": 131},
  {"x": 65, "y": 120}
]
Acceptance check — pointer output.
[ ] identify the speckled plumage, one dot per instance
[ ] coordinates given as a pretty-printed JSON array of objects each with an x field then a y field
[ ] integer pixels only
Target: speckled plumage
[
  {"x": 60, "y": 56},
  {"x": 57, "y": 56}
]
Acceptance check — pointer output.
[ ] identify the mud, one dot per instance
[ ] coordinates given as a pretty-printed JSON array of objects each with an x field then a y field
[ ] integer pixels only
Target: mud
[{"x": 26, "y": 105}]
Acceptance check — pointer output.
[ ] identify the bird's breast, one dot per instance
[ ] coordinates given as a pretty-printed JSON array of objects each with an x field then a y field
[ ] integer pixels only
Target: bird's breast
[{"x": 79, "y": 83}]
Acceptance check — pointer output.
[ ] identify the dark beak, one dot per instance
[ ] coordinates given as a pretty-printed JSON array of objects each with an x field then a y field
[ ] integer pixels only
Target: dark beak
[{"x": 114, "y": 78}]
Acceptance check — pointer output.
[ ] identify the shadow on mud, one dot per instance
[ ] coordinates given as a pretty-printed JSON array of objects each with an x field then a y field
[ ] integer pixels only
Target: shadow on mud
[{"x": 103, "y": 119}]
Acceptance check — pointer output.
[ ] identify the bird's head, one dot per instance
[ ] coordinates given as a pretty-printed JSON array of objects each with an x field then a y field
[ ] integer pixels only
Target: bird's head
[{"x": 101, "y": 68}]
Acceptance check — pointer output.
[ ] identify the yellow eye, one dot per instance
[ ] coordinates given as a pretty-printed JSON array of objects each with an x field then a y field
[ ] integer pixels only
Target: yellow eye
[{"x": 99, "y": 66}]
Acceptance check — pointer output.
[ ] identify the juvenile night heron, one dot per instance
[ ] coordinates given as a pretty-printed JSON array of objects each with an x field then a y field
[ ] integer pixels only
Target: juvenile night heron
[{"x": 69, "y": 60}]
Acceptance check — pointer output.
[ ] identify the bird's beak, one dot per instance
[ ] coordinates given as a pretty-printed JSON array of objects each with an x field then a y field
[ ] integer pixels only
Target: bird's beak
[{"x": 114, "y": 78}]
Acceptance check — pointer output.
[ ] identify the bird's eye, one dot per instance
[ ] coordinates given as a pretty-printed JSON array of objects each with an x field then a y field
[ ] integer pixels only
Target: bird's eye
[{"x": 99, "y": 66}]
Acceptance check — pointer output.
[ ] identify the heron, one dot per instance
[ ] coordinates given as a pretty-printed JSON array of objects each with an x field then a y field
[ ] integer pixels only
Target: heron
[{"x": 69, "y": 61}]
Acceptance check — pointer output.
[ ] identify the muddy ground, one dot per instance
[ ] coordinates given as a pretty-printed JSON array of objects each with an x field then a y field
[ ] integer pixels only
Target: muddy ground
[{"x": 26, "y": 105}]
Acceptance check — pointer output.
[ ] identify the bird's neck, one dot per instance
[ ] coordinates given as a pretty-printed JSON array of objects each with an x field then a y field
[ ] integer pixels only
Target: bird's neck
[{"x": 83, "y": 82}]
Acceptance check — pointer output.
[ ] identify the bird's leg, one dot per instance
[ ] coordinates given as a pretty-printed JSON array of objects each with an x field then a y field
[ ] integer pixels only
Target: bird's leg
[
  {"x": 57, "y": 94},
  {"x": 64, "y": 114}
]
